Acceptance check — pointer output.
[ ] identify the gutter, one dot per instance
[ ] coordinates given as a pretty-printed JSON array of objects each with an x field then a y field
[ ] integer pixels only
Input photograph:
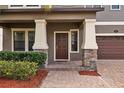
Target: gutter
[{"x": 51, "y": 10}]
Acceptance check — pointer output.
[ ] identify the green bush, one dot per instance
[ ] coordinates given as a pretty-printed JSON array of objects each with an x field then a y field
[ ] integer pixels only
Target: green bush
[
  {"x": 37, "y": 57},
  {"x": 18, "y": 70}
]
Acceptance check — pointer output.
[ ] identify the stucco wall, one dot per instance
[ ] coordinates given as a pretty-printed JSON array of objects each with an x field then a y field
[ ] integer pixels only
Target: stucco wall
[
  {"x": 3, "y": 6},
  {"x": 7, "y": 46},
  {"x": 110, "y": 15},
  {"x": 15, "y": 17},
  {"x": 109, "y": 28}
]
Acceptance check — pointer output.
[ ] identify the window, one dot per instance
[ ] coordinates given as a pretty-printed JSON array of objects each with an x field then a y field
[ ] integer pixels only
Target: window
[
  {"x": 19, "y": 41},
  {"x": 97, "y": 6},
  {"x": 23, "y": 6},
  {"x": 22, "y": 40},
  {"x": 74, "y": 40},
  {"x": 30, "y": 40},
  {"x": 115, "y": 7}
]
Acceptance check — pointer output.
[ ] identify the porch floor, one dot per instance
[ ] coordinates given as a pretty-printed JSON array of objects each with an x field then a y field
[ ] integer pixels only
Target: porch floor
[{"x": 65, "y": 66}]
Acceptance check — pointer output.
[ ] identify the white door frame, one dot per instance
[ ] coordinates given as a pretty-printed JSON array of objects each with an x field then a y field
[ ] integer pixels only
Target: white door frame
[{"x": 55, "y": 46}]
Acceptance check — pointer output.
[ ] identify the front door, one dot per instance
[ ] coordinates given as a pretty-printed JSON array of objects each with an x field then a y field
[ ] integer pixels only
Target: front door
[{"x": 61, "y": 46}]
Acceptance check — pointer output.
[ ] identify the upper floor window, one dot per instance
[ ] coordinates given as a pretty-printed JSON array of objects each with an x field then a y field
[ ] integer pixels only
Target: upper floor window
[
  {"x": 23, "y": 6},
  {"x": 115, "y": 7}
]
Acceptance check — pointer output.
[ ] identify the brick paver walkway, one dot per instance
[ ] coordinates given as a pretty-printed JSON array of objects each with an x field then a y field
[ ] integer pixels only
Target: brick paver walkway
[
  {"x": 112, "y": 75},
  {"x": 112, "y": 72}
]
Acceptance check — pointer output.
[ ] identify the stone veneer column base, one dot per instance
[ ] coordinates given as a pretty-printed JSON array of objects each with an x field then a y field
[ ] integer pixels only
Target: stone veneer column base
[
  {"x": 43, "y": 51},
  {"x": 89, "y": 59}
]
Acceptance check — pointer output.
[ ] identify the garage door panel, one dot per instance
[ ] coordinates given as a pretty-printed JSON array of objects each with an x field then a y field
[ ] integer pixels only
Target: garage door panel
[
  {"x": 111, "y": 57},
  {"x": 111, "y": 50},
  {"x": 111, "y": 43},
  {"x": 109, "y": 53},
  {"x": 110, "y": 47}
]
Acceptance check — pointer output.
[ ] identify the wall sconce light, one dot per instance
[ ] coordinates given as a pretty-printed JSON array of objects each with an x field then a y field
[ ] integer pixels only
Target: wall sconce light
[{"x": 116, "y": 31}]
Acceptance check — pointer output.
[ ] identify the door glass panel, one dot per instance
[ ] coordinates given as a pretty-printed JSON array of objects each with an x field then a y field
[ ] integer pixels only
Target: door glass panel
[
  {"x": 74, "y": 41},
  {"x": 19, "y": 41},
  {"x": 31, "y": 35}
]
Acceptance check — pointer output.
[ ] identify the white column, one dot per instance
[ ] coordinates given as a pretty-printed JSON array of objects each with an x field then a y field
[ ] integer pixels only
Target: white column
[
  {"x": 1, "y": 39},
  {"x": 89, "y": 35},
  {"x": 40, "y": 35}
]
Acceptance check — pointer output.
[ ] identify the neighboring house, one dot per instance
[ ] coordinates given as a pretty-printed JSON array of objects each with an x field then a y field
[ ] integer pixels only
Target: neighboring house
[
  {"x": 110, "y": 32},
  {"x": 65, "y": 33}
]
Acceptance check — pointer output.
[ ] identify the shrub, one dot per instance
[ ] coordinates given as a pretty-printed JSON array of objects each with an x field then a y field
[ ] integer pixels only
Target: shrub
[
  {"x": 18, "y": 70},
  {"x": 37, "y": 57}
]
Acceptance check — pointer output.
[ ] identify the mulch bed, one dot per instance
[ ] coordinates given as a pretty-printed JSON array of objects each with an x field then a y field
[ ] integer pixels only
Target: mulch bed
[
  {"x": 32, "y": 83},
  {"x": 89, "y": 73}
]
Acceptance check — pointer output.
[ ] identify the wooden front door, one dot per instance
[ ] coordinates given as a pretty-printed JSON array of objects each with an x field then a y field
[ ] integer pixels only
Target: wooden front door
[{"x": 61, "y": 46}]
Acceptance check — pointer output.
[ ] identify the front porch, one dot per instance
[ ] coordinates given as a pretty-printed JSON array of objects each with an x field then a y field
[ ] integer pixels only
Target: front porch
[
  {"x": 63, "y": 36},
  {"x": 67, "y": 41}
]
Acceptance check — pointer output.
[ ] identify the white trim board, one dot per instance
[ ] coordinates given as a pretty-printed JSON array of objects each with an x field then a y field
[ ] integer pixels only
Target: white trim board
[
  {"x": 110, "y": 23},
  {"x": 1, "y": 39},
  {"x": 109, "y": 34},
  {"x": 23, "y": 7},
  {"x": 55, "y": 46}
]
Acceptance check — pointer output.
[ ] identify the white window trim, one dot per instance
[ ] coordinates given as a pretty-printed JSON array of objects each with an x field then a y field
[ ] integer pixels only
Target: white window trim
[
  {"x": 110, "y": 23},
  {"x": 109, "y": 34},
  {"x": 1, "y": 39},
  {"x": 26, "y": 30},
  {"x": 23, "y": 7},
  {"x": 71, "y": 30},
  {"x": 55, "y": 46},
  {"x": 115, "y": 9}
]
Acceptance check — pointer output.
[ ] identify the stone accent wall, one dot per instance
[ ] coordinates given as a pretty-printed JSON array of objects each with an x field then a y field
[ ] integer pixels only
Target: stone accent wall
[{"x": 89, "y": 59}]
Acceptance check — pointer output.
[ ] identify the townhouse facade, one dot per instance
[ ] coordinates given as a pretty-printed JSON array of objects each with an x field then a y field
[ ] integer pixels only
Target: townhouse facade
[
  {"x": 110, "y": 31},
  {"x": 65, "y": 33}
]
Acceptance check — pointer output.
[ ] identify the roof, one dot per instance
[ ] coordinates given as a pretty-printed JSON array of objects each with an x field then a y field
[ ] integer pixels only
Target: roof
[{"x": 54, "y": 9}]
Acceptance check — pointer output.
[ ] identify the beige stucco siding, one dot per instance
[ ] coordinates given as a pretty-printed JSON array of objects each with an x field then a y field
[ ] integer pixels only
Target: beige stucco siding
[
  {"x": 7, "y": 39},
  {"x": 48, "y": 16},
  {"x": 3, "y": 6},
  {"x": 109, "y": 28}
]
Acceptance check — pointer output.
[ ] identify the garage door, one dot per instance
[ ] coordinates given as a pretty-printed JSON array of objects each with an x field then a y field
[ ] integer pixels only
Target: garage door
[{"x": 111, "y": 47}]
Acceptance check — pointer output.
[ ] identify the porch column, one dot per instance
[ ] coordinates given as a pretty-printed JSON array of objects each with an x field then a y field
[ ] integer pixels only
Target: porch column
[
  {"x": 1, "y": 38},
  {"x": 40, "y": 43},
  {"x": 89, "y": 45}
]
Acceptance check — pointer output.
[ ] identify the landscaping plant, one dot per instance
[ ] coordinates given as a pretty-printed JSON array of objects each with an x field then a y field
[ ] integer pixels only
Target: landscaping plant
[
  {"x": 18, "y": 70},
  {"x": 37, "y": 57}
]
